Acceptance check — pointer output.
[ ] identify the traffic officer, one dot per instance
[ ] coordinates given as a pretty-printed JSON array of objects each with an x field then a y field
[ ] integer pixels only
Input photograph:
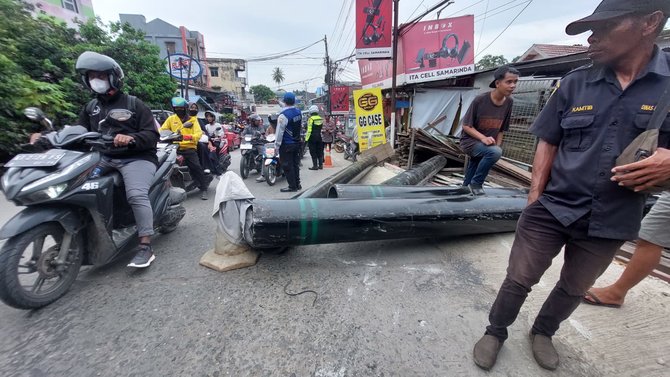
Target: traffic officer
[
  {"x": 313, "y": 138},
  {"x": 288, "y": 141}
]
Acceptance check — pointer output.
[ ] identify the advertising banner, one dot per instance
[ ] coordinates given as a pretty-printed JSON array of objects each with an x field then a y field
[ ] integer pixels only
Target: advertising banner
[
  {"x": 374, "y": 26},
  {"x": 438, "y": 49},
  {"x": 369, "y": 118},
  {"x": 339, "y": 100},
  {"x": 183, "y": 67}
]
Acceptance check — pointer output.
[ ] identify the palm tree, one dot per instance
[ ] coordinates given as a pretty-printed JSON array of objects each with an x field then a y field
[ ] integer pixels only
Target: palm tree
[{"x": 277, "y": 75}]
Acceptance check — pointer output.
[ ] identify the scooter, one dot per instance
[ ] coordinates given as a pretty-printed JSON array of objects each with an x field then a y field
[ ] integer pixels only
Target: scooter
[
  {"x": 181, "y": 176},
  {"x": 72, "y": 218},
  {"x": 341, "y": 141},
  {"x": 220, "y": 141},
  {"x": 251, "y": 158},
  {"x": 351, "y": 150},
  {"x": 271, "y": 167}
]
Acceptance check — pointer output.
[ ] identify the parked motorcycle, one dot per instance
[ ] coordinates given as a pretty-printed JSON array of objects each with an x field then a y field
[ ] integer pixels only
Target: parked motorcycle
[
  {"x": 251, "y": 158},
  {"x": 340, "y": 143},
  {"x": 181, "y": 176},
  {"x": 72, "y": 217},
  {"x": 351, "y": 150},
  {"x": 271, "y": 166}
]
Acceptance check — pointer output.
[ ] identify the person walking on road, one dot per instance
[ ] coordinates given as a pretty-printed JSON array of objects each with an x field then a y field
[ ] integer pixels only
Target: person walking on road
[
  {"x": 483, "y": 126},
  {"x": 313, "y": 137},
  {"x": 575, "y": 200},
  {"x": 288, "y": 141}
]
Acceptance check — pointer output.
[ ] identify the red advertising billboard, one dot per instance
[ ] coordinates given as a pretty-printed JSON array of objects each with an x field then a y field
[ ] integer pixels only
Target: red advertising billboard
[
  {"x": 339, "y": 99},
  {"x": 378, "y": 73},
  {"x": 438, "y": 49},
  {"x": 374, "y": 26}
]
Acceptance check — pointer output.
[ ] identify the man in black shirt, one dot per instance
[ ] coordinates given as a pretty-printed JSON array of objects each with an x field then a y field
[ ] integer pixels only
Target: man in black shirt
[
  {"x": 574, "y": 201},
  {"x": 104, "y": 77},
  {"x": 483, "y": 126}
]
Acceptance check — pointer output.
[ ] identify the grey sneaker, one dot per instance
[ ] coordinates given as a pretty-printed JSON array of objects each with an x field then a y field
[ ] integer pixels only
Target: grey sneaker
[
  {"x": 203, "y": 195},
  {"x": 143, "y": 258},
  {"x": 544, "y": 352},
  {"x": 260, "y": 179},
  {"x": 477, "y": 190},
  {"x": 486, "y": 351}
]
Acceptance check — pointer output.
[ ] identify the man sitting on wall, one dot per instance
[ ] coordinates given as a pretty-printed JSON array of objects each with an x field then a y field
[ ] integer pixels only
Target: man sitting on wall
[{"x": 483, "y": 126}]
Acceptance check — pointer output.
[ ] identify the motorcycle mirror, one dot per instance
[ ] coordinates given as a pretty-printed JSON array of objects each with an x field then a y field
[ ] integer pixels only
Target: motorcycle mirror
[
  {"x": 120, "y": 115},
  {"x": 34, "y": 114}
]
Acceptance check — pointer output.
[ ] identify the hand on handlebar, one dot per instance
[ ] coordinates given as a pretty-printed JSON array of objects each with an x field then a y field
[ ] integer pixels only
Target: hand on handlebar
[{"x": 123, "y": 140}]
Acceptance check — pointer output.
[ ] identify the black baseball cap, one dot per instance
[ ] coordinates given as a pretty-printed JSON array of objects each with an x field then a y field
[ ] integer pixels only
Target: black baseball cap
[
  {"x": 609, "y": 9},
  {"x": 500, "y": 73}
]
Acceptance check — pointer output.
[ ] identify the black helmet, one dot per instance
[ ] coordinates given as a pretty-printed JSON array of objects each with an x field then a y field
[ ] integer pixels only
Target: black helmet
[{"x": 92, "y": 61}]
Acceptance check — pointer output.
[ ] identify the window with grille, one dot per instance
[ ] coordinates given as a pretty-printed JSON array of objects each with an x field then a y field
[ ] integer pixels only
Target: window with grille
[
  {"x": 170, "y": 47},
  {"x": 214, "y": 71},
  {"x": 70, "y": 5}
]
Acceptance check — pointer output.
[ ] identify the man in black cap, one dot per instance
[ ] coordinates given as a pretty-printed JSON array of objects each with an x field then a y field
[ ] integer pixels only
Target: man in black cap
[
  {"x": 483, "y": 125},
  {"x": 575, "y": 201}
]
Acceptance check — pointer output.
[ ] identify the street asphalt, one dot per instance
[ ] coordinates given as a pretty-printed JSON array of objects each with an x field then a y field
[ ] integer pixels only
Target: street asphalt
[{"x": 392, "y": 308}]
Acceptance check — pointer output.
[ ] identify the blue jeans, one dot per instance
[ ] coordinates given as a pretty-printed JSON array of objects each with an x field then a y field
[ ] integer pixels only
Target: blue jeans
[{"x": 482, "y": 159}]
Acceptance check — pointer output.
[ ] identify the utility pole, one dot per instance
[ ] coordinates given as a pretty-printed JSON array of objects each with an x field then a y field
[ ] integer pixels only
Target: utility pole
[
  {"x": 395, "y": 70},
  {"x": 328, "y": 74}
]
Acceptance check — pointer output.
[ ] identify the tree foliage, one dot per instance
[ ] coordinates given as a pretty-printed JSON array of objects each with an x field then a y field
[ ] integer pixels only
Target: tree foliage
[
  {"x": 37, "y": 64},
  {"x": 277, "y": 75},
  {"x": 490, "y": 61},
  {"x": 262, "y": 94}
]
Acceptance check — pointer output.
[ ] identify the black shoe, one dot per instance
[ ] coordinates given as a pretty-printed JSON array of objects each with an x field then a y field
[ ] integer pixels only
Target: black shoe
[
  {"x": 299, "y": 187},
  {"x": 143, "y": 258},
  {"x": 203, "y": 195},
  {"x": 477, "y": 190},
  {"x": 320, "y": 167},
  {"x": 288, "y": 189},
  {"x": 314, "y": 168}
]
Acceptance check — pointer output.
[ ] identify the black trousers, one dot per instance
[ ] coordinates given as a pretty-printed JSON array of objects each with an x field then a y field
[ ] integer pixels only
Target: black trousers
[
  {"x": 194, "y": 167},
  {"x": 289, "y": 158},
  {"x": 316, "y": 152},
  {"x": 539, "y": 238}
]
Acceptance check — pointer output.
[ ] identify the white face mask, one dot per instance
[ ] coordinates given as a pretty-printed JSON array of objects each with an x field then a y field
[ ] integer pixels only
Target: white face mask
[{"x": 99, "y": 86}]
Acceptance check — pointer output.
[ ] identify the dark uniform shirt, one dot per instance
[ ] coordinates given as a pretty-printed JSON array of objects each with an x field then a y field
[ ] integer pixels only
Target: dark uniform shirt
[{"x": 592, "y": 120}]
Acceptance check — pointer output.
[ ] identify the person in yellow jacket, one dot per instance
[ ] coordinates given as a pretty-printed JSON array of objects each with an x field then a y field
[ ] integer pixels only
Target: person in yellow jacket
[
  {"x": 313, "y": 138},
  {"x": 186, "y": 122}
]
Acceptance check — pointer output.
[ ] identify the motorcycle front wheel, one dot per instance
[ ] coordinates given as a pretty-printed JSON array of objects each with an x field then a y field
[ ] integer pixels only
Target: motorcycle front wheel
[
  {"x": 29, "y": 276},
  {"x": 339, "y": 147},
  {"x": 244, "y": 166},
  {"x": 270, "y": 173}
]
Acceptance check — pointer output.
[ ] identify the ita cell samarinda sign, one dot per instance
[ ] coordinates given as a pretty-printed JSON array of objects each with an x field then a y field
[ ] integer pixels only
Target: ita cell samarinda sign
[{"x": 183, "y": 67}]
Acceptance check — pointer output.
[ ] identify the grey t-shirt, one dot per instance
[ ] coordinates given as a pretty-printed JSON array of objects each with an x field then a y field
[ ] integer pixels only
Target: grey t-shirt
[{"x": 487, "y": 118}]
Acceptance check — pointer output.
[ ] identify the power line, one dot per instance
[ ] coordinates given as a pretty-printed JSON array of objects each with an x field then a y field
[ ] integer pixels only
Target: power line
[
  {"x": 339, "y": 17},
  {"x": 481, "y": 32},
  {"x": 505, "y": 29},
  {"x": 414, "y": 11},
  {"x": 336, "y": 45},
  {"x": 497, "y": 13}
]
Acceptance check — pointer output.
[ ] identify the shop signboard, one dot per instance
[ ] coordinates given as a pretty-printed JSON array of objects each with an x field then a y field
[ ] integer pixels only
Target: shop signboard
[
  {"x": 369, "y": 118},
  {"x": 374, "y": 26}
]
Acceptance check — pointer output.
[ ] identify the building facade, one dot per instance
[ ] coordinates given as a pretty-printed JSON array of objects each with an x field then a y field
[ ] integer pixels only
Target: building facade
[
  {"x": 229, "y": 76},
  {"x": 172, "y": 39},
  {"x": 66, "y": 10}
]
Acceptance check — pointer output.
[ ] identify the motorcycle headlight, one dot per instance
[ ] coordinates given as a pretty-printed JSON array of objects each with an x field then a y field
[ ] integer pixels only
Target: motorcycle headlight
[
  {"x": 247, "y": 138},
  {"x": 51, "y": 192}
]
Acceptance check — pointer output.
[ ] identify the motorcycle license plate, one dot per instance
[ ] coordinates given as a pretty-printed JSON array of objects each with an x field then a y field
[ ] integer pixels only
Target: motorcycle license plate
[
  {"x": 245, "y": 146},
  {"x": 35, "y": 160}
]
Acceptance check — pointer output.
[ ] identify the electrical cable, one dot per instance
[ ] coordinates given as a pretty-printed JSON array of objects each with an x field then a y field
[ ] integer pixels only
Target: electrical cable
[
  {"x": 481, "y": 32},
  {"x": 505, "y": 29}
]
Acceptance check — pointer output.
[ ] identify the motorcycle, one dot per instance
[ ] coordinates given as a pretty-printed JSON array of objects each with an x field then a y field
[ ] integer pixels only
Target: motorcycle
[
  {"x": 351, "y": 150},
  {"x": 181, "y": 176},
  {"x": 220, "y": 141},
  {"x": 340, "y": 143},
  {"x": 71, "y": 216},
  {"x": 251, "y": 158},
  {"x": 271, "y": 167}
]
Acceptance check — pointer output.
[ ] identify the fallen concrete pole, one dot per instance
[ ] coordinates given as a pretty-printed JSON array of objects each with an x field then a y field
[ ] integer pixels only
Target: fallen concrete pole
[
  {"x": 320, "y": 190},
  {"x": 420, "y": 173},
  {"x": 413, "y": 192},
  {"x": 277, "y": 223}
]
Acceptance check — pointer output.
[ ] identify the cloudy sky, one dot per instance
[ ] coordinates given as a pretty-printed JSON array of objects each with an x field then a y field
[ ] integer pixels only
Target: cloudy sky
[{"x": 251, "y": 28}]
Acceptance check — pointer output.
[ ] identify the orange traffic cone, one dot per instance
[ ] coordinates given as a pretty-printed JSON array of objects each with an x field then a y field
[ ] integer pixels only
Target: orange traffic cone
[{"x": 328, "y": 162}]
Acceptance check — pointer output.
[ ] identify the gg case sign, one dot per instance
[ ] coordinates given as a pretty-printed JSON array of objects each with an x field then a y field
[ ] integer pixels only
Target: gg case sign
[{"x": 369, "y": 118}]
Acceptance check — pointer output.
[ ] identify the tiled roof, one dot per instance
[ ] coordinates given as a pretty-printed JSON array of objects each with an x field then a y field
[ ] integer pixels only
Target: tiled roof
[{"x": 550, "y": 51}]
